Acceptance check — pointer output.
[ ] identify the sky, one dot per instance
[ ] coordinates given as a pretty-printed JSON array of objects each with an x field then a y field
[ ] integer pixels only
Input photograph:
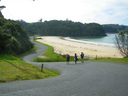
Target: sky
[{"x": 85, "y": 11}]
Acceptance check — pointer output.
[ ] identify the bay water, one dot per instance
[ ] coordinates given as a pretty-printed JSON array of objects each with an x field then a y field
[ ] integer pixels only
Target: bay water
[{"x": 108, "y": 40}]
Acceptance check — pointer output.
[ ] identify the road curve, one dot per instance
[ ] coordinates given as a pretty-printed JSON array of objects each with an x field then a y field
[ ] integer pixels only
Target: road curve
[{"x": 82, "y": 79}]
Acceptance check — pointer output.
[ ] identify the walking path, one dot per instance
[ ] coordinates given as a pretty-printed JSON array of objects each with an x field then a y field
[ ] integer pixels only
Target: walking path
[{"x": 82, "y": 79}]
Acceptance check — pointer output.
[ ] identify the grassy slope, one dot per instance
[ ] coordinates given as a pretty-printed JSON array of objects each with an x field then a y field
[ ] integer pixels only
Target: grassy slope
[{"x": 14, "y": 69}]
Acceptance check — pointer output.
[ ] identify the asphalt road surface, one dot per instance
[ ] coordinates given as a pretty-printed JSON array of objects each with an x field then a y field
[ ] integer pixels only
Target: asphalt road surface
[{"x": 81, "y": 79}]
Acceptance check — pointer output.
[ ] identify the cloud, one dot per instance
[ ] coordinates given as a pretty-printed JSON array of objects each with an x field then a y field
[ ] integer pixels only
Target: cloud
[
  {"x": 114, "y": 12},
  {"x": 86, "y": 11}
]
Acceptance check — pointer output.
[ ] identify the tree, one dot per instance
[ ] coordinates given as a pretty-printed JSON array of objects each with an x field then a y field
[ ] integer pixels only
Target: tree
[
  {"x": 64, "y": 28},
  {"x": 122, "y": 43},
  {"x": 40, "y": 20},
  {"x": 1, "y": 15},
  {"x": 13, "y": 38}
]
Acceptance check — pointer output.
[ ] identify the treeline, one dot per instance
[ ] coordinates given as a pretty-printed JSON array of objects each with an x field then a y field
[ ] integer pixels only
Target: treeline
[
  {"x": 13, "y": 38},
  {"x": 63, "y": 28},
  {"x": 115, "y": 28}
]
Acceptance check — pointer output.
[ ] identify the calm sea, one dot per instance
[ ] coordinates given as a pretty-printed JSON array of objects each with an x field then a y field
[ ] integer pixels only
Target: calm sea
[{"x": 108, "y": 40}]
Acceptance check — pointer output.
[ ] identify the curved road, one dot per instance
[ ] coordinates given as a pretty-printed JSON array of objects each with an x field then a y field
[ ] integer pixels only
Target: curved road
[{"x": 82, "y": 79}]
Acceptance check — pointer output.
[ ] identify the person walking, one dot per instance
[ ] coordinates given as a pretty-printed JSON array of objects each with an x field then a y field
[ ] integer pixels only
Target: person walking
[
  {"x": 68, "y": 57},
  {"x": 82, "y": 56},
  {"x": 76, "y": 59}
]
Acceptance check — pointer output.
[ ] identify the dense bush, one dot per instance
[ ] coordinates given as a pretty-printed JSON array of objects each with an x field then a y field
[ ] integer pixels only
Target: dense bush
[
  {"x": 115, "y": 28},
  {"x": 13, "y": 38}
]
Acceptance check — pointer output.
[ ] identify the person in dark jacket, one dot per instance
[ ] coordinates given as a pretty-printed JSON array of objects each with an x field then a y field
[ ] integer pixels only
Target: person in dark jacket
[
  {"x": 82, "y": 56},
  {"x": 76, "y": 59},
  {"x": 68, "y": 57}
]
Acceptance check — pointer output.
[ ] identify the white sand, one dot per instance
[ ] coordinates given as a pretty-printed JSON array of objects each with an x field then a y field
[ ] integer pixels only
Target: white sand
[{"x": 62, "y": 46}]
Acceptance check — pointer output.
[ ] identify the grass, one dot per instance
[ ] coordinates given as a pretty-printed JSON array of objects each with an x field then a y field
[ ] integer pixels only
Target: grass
[
  {"x": 51, "y": 56},
  {"x": 114, "y": 60},
  {"x": 15, "y": 69}
]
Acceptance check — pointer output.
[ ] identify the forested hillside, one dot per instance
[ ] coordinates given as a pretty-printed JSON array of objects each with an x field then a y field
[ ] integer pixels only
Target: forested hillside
[
  {"x": 115, "y": 28},
  {"x": 63, "y": 28},
  {"x": 13, "y": 38}
]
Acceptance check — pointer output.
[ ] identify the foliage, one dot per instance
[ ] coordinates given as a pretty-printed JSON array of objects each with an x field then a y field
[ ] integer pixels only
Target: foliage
[
  {"x": 15, "y": 69},
  {"x": 122, "y": 43},
  {"x": 13, "y": 38},
  {"x": 64, "y": 28},
  {"x": 114, "y": 28},
  {"x": 1, "y": 15},
  {"x": 29, "y": 51}
]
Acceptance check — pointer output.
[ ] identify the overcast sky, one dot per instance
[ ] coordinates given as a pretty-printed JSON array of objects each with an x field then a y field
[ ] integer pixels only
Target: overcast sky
[{"x": 85, "y": 11}]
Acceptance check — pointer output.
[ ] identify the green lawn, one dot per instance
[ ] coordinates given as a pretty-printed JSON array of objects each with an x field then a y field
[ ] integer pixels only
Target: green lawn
[{"x": 15, "y": 69}]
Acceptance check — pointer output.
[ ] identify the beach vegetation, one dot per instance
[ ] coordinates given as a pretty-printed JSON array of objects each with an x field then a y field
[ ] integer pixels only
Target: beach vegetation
[
  {"x": 15, "y": 69},
  {"x": 122, "y": 43}
]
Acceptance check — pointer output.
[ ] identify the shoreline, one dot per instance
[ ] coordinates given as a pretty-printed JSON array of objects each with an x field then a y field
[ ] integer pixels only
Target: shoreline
[
  {"x": 63, "y": 46},
  {"x": 89, "y": 42}
]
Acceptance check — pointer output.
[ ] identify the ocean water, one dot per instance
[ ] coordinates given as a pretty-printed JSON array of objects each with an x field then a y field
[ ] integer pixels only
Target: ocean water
[{"x": 108, "y": 40}]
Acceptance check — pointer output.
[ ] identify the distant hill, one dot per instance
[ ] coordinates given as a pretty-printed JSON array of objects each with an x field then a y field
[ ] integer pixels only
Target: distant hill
[
  {"x": 63, "y": 28},
  {"x": 115, "y": 28},
  {"x": 70, "y": 28},
  {"x": 13, "y": 38}
]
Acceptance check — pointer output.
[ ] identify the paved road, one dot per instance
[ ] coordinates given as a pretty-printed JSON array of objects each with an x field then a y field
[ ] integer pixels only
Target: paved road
[{"x": 82, "y": 79}]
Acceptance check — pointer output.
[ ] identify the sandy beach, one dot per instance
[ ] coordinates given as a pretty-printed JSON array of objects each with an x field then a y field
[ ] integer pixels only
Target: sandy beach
[{"x": 63, "y": 46}]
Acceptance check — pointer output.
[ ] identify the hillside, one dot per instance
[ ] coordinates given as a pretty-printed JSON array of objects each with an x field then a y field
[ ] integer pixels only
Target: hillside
[
  {"x": 115, "y": 28},
  {"x": 15, "y": 69},
  {"x": 13, "y": 38},
  {"x": 63, "y": 28}
]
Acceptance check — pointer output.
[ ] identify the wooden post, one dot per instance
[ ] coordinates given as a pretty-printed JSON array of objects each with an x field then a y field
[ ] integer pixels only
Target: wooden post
[
  {"x": 42, "y": 67},
  {"x": 96, "y": 57}
]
